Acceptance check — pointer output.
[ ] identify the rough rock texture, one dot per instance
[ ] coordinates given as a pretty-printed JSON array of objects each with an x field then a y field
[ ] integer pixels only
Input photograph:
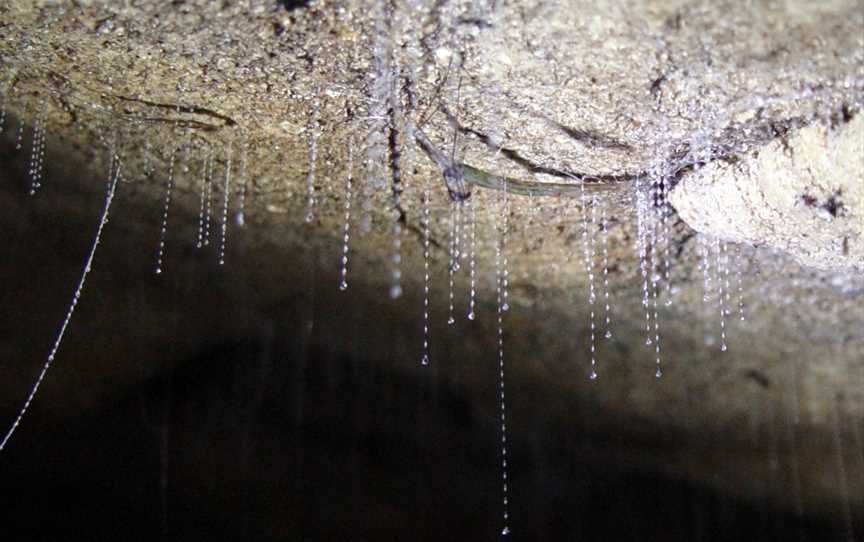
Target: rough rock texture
[
  {"x": 804, "y": 195},
  {"x": 718, "y": 97}
]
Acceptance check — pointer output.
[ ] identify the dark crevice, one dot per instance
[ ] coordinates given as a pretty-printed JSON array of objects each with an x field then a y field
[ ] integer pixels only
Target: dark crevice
[
  {"x": 590, "y": 138},
  {"x": 833, "y": 205},
  {"x": 187, "y": 109},
  {"x": 533, "y": 167},
  {"x": 291, "y": 5},
  {"x": 185, "y": 123}
]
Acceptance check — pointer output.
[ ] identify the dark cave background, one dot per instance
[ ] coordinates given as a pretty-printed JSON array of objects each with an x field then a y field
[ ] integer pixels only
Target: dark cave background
[{"x": 248, "y": 403}]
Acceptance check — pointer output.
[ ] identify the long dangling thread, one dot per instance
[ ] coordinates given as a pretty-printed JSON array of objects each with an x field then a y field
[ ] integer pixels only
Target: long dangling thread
[{"x": 113, "y": 176}]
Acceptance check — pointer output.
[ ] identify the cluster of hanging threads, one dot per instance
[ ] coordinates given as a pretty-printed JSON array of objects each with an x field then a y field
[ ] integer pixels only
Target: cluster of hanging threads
[{"x": 37, "y": 152}]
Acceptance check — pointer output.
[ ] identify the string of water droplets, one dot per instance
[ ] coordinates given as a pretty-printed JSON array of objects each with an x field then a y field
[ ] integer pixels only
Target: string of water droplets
[
  {"x": 705, "y": 265},
  {"x": 591, "y": 296},
  {"x": 472, "y": 284},
  {"x": 642, "y": 251},
  {"x": 349, "y": 186},
  {"x": 499, "y": 279},
  {"x": 113, "y": 177},
  {"x": 208, "y": 203},
  {"x": 604, "y": 224},
  {"x": 505, "y": 281},
  {"x": 451, "y": 268},
  {"x": 424, "y": 360},
  {"x": 240, "y": 217},
  {"x": 204, "y": 182},
  {"x": 666, "y": 240},
  {"x": 659, "y": 372},
  {"x": 19, "y": 139},
  {"x": 655, "y": 286},
  {"x": 739, "y": 279},
  {"x": 726, "y": 286},
  {"x": 314, "y": 132},
  {"x": 396, "y": 165},
  {"x": 163, "y": 230},
  {"x": 226, "y": 192},
  {"x": 719, "y": 248},
  {"x": 37, "y": 151}
]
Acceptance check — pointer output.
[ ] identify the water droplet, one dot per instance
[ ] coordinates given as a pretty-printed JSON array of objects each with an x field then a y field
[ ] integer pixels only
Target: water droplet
[
  {"x": 395, "y": 291},
  {"x": 608, "y": 334},
  {"x": 658, "y": 373},
  {"x": 505, "y": 531}
]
